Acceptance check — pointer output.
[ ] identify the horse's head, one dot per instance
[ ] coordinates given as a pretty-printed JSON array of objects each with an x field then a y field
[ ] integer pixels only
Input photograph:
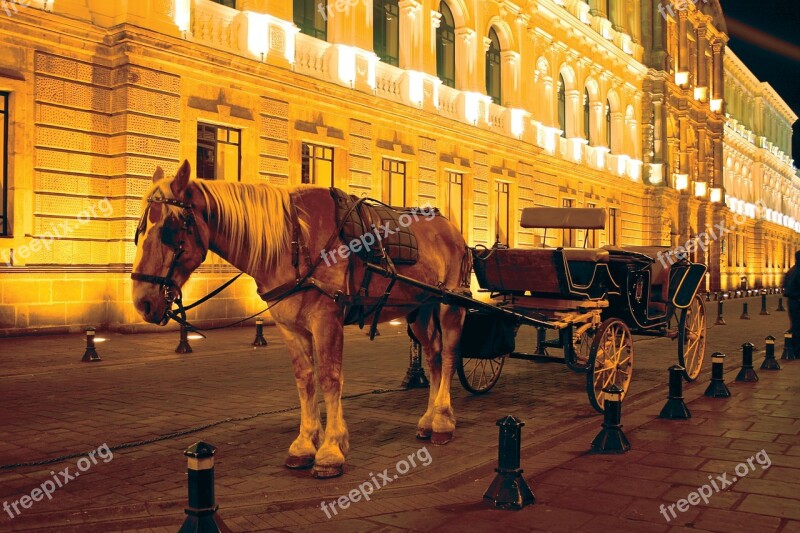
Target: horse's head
[{"x": 171, "y": 242}]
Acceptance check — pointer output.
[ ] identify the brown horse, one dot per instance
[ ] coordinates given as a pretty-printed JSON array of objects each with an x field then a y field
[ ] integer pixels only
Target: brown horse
[{"x": 252, "y": 226}]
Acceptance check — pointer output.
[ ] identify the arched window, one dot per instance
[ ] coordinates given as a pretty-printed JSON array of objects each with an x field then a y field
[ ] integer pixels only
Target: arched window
[
  {"x": 587, "y": 114},
  {"x": 446, "y": 47},
  {"x": 562, "y": 106},
  {"x": 493, "y": 87},
  {"x": 386, "y": 30},
  {"x": 608, "y": 124},
  {"x": 311, "y": 20}
]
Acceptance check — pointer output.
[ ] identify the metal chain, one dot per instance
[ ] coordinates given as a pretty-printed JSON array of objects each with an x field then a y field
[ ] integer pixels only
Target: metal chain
[{"x": 181, "y": 433}]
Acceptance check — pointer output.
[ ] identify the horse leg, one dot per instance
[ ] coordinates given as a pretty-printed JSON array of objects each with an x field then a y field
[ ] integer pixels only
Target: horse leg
[
  {"x": 451, "y": 319},
  {"x": 328, "y": 337},
  {"x": 304, "y": 447},
  {"x": 424, "y": 329}
]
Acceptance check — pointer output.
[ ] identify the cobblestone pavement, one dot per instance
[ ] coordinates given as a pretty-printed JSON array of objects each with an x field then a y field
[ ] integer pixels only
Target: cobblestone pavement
[{"x": 53, "y": 405}]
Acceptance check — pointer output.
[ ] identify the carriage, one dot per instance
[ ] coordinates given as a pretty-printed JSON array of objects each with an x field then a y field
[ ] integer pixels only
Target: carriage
[{"x": 594, "y": 299}]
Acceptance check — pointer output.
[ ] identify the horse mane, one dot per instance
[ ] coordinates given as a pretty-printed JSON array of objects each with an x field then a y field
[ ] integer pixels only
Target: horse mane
[{"x": 255, "y": 217}]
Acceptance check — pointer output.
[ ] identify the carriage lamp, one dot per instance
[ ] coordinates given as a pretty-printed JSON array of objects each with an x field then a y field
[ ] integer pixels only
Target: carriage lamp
[
  {"x": 717, "y": 387},
  {"x": 259, "y": 340},
  {"x": 90, "y": 355},
  {"x": 509, "y": 490},
  {"x": 770, "y": 363},
  {"x": 675, "y": 408},
  {"x": 747, "y": 374},
  {"x": 611, "y": 439}
]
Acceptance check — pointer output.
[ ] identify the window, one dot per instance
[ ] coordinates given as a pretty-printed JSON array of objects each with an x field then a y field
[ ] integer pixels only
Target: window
[
  {"x": 317, "y": 165},
  {"x": 446, "y": 47},
  {"x": 311, "y": 18},
  {"x": 562, "y": 106},
  {"x": 608, "y": 124},
  {"x": 612, "y": 226},
  {"x": 591, "y": 234},
  {"x": 218, "y": 152},
  {"x": 386, "y": 30},
  {"x": 229, "y": 3},
  {"x": 4, "y": 229},
  {"x": 568, "y": 235},
  {"x": 502, "y": 210},
  {"x": 587, "y": 115},
  {"x": 493, "y": 79},
  {"x": 394, "y": 182},
  {"x": 455, "y": 195}
]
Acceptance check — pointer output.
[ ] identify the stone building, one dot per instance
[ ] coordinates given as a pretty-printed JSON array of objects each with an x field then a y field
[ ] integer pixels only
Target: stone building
[{"x": 482, "y": 108}]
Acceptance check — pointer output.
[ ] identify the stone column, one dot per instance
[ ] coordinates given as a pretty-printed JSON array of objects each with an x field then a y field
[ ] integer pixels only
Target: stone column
[
  {"x": 683, "y": 42},
  {"x": 468, "y": 73},
  {"x": 718, "y": 51},
  {"x": 702, "y": 63},
  {"x": 411, "y": 46},
  {"x": 509, "y": 76}
]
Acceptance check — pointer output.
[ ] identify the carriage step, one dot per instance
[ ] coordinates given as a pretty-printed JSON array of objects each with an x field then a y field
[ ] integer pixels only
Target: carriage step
[{"x": 539, "y": 358}]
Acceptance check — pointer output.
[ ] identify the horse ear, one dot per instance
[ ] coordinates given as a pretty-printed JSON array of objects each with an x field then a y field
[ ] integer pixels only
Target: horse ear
[
  {"x": 178, "y": 185},
  {"x": 158, "y": 174}
]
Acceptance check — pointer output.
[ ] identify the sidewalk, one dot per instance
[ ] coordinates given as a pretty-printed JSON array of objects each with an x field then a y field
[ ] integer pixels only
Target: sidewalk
[{"x": 54, "y": 405}]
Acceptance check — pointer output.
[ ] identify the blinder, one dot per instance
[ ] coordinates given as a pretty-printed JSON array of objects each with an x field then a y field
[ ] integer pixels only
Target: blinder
[{"x": 173, "y": 235}]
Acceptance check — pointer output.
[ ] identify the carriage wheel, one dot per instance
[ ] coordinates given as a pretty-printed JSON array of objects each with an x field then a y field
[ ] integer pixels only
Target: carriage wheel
[
  {"x": 692, "y": 339},
  {"x": 478, "y": 376},
  {"x": 610, "y": 361}
]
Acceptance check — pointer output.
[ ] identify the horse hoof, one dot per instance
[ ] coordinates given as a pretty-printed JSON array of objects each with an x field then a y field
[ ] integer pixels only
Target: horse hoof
[
  {"x": 299, "y": 462},
  {"x": 327, "y": 471},
  {"x": 424, "y": 433},
  {"x": 441, "y": 438}
]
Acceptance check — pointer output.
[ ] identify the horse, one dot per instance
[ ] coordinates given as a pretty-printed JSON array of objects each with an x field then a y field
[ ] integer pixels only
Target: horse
[{"x": 274, "y": 233}]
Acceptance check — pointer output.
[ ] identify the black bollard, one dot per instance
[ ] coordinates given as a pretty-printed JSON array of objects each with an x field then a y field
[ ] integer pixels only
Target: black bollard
[
  {"x": 769, "y": 357},
  {"x": 90, "y": 355},
  {"x": 788, "y": 347},
  {"x": 611, "y": 439},
  {"x": 780, "y": 305},
  {"x": 415, "y": 375},
  {"x": 764, "y": 305},
  {"x": 708, "y": 296},
  {"x": 745, "y": 314},
  {"x": 183, "y": 345},
  {"x": 717, "y": 387},
  {"x": 720, "y": 320},
  {"x": 675, "y": 408},
  {"x": 746, "y": 373},
  {"x": 201, "y": 515},
  {"x": 509, "y": 490},
  {"x": 260, "y": 340}
]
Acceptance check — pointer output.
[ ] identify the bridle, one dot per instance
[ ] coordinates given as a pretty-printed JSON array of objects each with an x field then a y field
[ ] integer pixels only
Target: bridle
[{"x": 175, "y": 240}]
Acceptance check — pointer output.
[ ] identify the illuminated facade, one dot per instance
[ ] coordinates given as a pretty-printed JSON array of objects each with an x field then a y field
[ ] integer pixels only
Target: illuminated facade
[
  {"x": 482, "y": 108},
  {"x": 761, "y": 183}
]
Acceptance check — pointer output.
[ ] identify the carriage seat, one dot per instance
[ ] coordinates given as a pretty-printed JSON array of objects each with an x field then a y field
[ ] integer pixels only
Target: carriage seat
[
  {"x": 589, "y": 255},
  {"x": 659, "y": 269}
]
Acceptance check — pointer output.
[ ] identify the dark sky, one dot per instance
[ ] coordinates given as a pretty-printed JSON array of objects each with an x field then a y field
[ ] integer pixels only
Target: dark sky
[{"x": 774, "y": 57}]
